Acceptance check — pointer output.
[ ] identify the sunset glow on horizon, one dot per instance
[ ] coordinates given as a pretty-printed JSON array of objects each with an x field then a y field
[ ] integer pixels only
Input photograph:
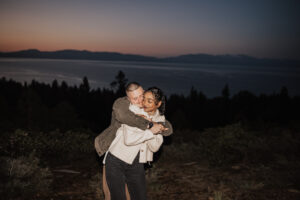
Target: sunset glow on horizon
[{"x": 153, "y": 28}]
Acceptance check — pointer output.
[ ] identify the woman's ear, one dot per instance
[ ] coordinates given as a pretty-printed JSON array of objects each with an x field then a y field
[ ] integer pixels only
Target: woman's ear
[{"x": 158, "y": 104}]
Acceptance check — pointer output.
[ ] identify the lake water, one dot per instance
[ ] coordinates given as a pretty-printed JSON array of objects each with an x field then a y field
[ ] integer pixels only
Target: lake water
[{"x": 171, "y": 77}]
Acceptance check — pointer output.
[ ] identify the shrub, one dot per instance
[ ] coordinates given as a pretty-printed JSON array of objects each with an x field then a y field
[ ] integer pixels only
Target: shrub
[
  {"x": 69, "y": 143},
  {"x": 153, "y": 179},
  {"x": 232, "y": 144},
  {"x": 225, "y": 145},
  {"x": 96, "y": 185},
  {"x": 21, "y": 143},
  {"x": 23, "y": 177},
  {"x": 178, "y": 152}
]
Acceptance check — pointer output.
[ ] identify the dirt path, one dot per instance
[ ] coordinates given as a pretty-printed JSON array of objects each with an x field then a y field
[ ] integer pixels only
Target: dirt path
[
  {"x": 195, "y": 181},
  {"x": 184, "y": 181}
]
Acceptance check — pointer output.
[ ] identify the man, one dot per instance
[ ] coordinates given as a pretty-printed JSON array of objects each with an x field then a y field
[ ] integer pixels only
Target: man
[{"x": 122, "y": 115}]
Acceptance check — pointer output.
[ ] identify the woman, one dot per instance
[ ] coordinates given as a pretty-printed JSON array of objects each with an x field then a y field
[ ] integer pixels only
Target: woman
[{"x": 132, "y": 147}]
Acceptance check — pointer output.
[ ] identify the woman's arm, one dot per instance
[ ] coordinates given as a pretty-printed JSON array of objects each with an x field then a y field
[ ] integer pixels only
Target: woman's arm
[
  {"x": 155, "y": 143},
  {"x": 134, "y": 136}
]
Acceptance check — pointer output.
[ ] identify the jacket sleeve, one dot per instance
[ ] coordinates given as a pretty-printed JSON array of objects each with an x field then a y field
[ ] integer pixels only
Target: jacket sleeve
[
  {"x": 168, "y": 125},
  {"x": 125, "y": 116},
  {"x": 134, "y": 136},
  {"x": 155, "y": 143}
]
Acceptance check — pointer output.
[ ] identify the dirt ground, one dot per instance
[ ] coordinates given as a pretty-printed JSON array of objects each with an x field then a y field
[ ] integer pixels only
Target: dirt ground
[{"x": 81, "y": 180}]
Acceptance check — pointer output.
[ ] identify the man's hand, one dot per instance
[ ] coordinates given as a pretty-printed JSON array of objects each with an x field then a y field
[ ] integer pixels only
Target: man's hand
[{"x": 157, "y": 128}]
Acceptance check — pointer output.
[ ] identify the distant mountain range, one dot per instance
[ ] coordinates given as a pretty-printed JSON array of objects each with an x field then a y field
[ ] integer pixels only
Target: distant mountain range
[{"x": 112, "y": 56}]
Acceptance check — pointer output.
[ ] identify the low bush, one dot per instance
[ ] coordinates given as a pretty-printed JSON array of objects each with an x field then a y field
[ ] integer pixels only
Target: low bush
[
  {"x": 22, "y": 143},
  {"x": 178, "y": 152},
  {"x": 24, "y": 177},
  {"x": 235, "y": 143},
  {"x": 225, "y": 145},
  {"x": 96, "y": 185}
]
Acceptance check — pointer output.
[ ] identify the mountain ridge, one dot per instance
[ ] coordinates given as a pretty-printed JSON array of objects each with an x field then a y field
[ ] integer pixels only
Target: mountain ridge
[{"x": 200, "y": 58}]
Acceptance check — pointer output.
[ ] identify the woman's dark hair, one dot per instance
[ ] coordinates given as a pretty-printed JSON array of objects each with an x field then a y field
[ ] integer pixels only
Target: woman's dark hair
[{"x": 159, "y": 96}]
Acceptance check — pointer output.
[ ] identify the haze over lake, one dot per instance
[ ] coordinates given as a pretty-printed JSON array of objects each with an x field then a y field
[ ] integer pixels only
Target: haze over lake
[{"x": 171, "y": 77}]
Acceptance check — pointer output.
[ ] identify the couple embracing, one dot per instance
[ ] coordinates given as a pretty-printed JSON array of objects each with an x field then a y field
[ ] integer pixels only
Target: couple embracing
[{"x": 136, "y": 131}]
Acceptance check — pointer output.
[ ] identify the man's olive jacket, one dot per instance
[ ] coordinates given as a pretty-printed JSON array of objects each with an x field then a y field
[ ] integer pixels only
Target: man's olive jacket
[{"x": 122, "y": 115}]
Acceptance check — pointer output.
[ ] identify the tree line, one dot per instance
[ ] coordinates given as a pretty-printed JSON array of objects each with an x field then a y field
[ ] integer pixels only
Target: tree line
[{"x": 44, "y": 107}]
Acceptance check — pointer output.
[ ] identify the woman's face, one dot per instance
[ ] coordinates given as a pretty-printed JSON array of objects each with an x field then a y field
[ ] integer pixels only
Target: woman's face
[{"x": 149, "y": 103}]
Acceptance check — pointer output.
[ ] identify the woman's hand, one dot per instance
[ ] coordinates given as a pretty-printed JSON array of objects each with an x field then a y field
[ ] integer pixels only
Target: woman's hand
[{"x": 158, "y": 128}]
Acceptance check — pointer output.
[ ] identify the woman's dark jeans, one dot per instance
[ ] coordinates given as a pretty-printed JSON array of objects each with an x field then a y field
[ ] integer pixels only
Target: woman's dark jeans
[{"x": 119, "y": 172}]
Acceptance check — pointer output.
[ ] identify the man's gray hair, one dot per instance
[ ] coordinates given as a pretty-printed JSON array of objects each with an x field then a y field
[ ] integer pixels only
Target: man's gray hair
[{"x": 132, "y": 86}]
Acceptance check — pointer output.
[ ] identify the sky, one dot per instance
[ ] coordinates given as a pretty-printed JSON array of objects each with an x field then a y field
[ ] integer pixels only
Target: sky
[{"x": 259, "y": 28}]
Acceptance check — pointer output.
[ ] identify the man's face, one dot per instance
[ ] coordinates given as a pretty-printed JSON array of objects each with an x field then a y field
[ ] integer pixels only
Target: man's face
[{"x": 136, "y": 97}]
